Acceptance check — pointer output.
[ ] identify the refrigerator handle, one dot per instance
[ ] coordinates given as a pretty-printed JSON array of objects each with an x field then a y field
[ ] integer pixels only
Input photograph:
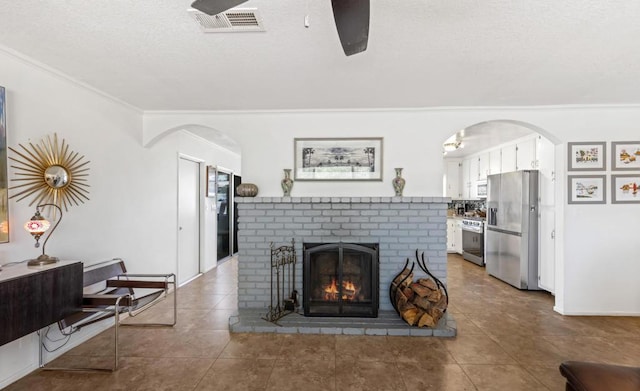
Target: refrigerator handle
[{"x": 492, "y": 217}]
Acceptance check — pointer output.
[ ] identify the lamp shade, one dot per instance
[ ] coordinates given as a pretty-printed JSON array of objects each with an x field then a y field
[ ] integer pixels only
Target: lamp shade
[{"x": 37, "y": 227}]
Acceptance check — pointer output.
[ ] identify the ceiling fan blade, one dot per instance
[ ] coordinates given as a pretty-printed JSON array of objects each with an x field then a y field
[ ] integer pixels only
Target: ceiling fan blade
[
  {"x": 352, "y": 22},
  {"x": 214, "y": 7}
]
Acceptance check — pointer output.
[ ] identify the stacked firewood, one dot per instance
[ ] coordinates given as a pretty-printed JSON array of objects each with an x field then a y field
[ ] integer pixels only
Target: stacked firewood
[{"x": 420, "y": 303}]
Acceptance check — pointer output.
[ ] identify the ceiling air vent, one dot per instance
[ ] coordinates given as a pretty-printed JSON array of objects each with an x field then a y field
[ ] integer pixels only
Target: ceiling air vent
[{"x": 236, "y": 19}]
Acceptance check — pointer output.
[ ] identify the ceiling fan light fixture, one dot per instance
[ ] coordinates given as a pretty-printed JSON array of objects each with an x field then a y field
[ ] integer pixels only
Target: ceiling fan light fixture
[{"x": 452, "y": 146}]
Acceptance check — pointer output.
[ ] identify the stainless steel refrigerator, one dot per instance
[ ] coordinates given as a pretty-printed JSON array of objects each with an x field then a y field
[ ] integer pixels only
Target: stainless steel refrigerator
[{"x": 511, "y": 252}]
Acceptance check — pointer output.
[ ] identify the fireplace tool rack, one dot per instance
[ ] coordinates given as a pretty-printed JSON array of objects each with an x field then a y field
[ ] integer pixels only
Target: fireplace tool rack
[
  {"x": 284, "y": 296},
  {"x": 393, "y": 288}
]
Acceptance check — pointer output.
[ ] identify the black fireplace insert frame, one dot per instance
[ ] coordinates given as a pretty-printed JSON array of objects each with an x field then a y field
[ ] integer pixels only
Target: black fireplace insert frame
[{"x": 338, "y": 310}]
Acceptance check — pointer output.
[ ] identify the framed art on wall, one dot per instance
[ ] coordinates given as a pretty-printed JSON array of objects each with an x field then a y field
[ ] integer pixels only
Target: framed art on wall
[
  {"x": 625, "y": 189},
  {"x": 625, "y": 155},
  {"x": 588, "y": 156},
  {"x": 587, "y": 189},
  {"x": 338, "y": 159}
]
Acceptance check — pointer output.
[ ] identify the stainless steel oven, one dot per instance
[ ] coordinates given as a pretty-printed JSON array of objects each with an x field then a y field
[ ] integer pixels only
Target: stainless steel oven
[{"x": 473, "y": 241}]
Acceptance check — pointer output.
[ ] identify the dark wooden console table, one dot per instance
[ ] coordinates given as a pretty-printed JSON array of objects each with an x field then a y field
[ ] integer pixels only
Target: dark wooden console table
[{"x": 34, "y": 297}]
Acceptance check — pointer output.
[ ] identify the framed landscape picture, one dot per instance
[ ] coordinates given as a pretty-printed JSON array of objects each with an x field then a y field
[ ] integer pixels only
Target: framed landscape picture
[
  {"x": 587, "y": 189},
  {"x": 625, "y": 189},
  {"x": 338, "y": 159},
  {"x": 625, "y": 155},
  {"x": 588, "y": 156}
]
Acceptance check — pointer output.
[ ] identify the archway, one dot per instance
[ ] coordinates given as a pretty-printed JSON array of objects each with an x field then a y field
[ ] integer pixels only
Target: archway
[
  {"x": 215, "y": 153},
  {"x": 205, "y": 132},
  {"x": 498, "y": 146}
]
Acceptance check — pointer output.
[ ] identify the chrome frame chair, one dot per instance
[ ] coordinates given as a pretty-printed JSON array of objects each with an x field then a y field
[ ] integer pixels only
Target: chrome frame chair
[{"x": 118, "y": 296}]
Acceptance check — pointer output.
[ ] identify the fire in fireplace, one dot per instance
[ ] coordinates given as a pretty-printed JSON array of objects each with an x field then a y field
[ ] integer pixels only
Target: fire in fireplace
[{"x": 340, "y": 279}]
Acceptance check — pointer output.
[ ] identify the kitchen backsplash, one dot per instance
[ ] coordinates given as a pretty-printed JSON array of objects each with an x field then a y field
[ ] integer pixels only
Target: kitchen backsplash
[{"x": 459, "y": 207}]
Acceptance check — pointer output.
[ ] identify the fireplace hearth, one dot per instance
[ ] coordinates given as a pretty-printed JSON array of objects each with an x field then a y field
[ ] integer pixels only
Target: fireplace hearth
[{"x": 341, "y": 279}]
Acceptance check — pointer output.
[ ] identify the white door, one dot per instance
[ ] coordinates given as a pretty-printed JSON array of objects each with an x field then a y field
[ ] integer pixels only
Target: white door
[
  {"x": 546, "y": 222},
  {"x": 188, "y": 220}
]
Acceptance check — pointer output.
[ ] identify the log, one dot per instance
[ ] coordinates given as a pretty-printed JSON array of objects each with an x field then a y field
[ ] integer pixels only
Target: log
[
  {"x": 435, "y": 296},
  {"x": 420, "y": 290},
  {"x": 408, "y": 292},
  {"x": 442, "y": 303},
  {"x": 401, "y": 277},
  {"x": 436, "y": 314},
  {"x": 429, "y": 283},
  {"x": 426, "y": 320},
  {"x": 422, "y": 302},
  {"x": 401, "y": 300},
  {"x": 410, "y": 315}
]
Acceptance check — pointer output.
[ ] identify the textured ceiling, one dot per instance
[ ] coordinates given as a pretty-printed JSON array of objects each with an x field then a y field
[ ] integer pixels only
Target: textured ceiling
[{"x": 421, "y": 53}]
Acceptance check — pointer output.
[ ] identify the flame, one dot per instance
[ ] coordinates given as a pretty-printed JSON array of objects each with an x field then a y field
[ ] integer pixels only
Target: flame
[{"x": 349, "y": 291}]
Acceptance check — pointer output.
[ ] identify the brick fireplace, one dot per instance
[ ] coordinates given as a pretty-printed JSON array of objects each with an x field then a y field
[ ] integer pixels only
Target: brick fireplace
[{"x": 398, "y": 225}]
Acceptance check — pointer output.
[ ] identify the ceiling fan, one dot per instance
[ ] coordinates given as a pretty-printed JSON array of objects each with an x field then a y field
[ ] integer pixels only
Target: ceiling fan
[{"x": 351, "y": 17}]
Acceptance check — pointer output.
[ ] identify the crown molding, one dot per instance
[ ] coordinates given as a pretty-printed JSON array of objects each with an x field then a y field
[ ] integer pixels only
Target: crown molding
[{"x": 63, "y": 76}]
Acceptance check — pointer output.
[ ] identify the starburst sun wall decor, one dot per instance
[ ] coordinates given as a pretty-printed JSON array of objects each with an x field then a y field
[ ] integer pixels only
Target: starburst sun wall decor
[{"x": 51, "y": 173}]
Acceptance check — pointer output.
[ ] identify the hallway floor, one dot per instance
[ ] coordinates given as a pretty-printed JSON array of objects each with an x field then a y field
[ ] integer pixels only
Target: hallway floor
[{"x": 507, "y": 340}]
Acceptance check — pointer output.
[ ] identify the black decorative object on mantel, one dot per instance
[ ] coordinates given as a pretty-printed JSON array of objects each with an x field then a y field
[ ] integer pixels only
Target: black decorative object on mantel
[{"x": 421, "y": 303}]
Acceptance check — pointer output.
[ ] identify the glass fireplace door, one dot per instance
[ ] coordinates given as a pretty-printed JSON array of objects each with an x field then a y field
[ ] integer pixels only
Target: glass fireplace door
[{"x": 341, "y": 279}]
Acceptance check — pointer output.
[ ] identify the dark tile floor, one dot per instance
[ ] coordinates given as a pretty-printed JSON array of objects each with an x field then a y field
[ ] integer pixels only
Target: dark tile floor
[{"x": 507, "y": 340}]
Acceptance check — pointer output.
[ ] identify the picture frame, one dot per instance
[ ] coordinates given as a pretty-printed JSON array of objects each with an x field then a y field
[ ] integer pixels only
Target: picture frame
[
  {"x": 625, "y": 189},
  {"x": 338, "y": 159},
  {"x": 4, "y": 182},
  {"x": 625, "y": 155},
  {"x": 587, "y": 189},
  {"x": 587, "y": 156},
  {"x": 211, "y": 181}
]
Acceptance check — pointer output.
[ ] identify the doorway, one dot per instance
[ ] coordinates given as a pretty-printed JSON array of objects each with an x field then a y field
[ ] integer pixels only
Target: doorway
[
  {"x": 237, "y": 180},
  {"x": 495, "y": 147},
  {"x": 223, "y": 196},
  {"x": 188, "y": 219}
]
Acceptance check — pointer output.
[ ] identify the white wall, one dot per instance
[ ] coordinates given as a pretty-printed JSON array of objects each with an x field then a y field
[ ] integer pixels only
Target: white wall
[
  {"x": 132, "y": 212},
  {"x": 594, "y": 247}
]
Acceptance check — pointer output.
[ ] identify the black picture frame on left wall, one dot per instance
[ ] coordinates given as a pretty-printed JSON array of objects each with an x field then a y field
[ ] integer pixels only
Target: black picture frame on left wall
[{"x": 4, "y": 183}]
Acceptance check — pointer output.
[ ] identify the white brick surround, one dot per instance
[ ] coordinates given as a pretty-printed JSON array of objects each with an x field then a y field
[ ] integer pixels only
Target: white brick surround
[{"x": 399, "y": 224}]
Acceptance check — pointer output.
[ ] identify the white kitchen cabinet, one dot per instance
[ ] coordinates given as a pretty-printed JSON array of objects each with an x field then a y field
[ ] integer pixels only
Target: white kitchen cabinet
[
  {"x": 458, "y": 236},
  {"x": 483, "y": 166},
  {"x": 508, "y": 161},
  {"x": 473, "y": 177},
  {"x": 526, "y": 155},
  {"x": 466, "y": 179},
  {"x": 545, "y": 151},
  {"x": 453, "y": 180},
  {"x": 474, "y": 172},
  {"x": 495, "y": 160},
  {"x": 451, "y": 235},
  {"x": 454, "y": 235}
]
